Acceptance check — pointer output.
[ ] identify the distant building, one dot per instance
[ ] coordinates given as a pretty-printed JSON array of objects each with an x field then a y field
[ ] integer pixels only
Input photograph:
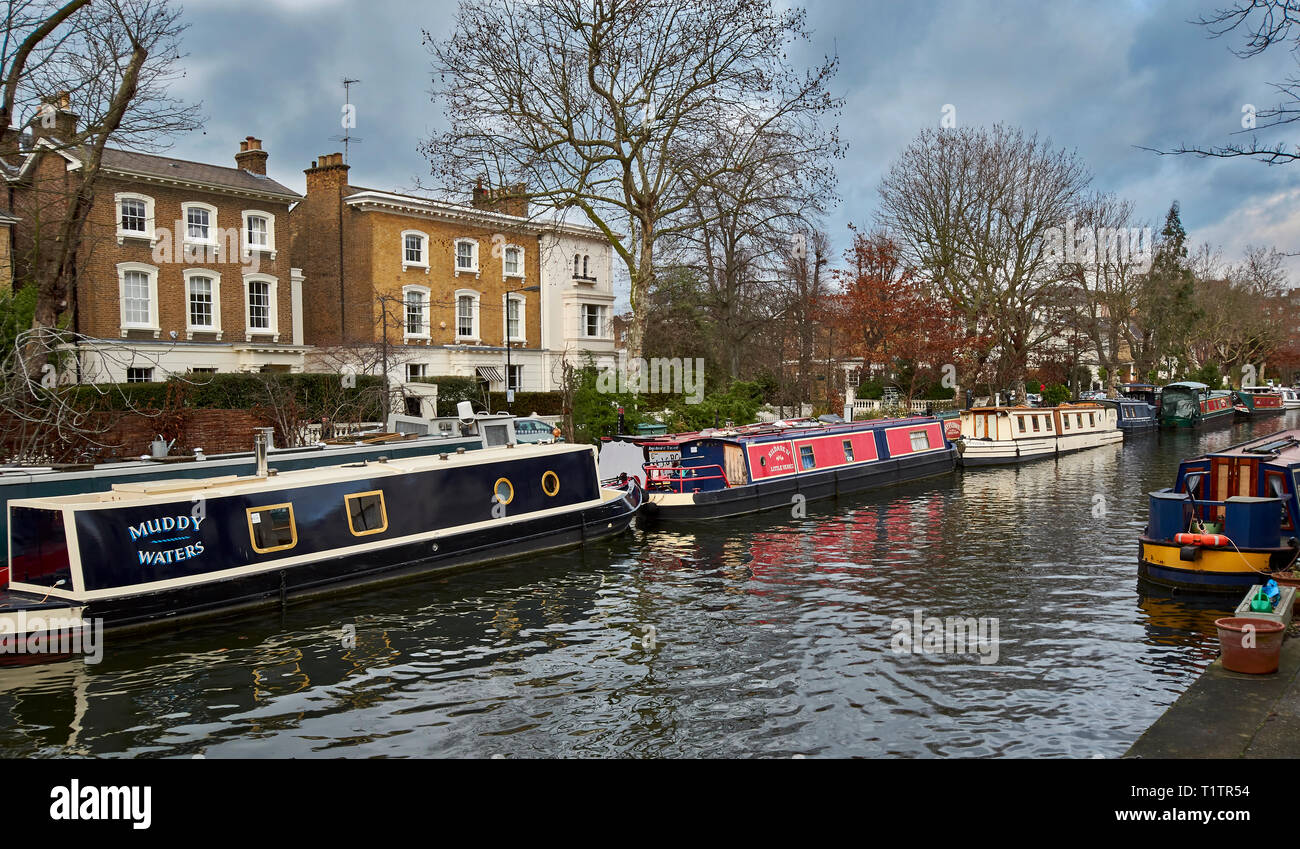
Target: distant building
[{"x": 443, "y": 283}]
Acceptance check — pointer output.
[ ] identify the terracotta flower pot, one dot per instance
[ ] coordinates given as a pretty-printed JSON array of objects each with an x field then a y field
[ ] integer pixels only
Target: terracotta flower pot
[
  {"x": 1286, "y": 579},
  {"x": 1252, "y": 646}
]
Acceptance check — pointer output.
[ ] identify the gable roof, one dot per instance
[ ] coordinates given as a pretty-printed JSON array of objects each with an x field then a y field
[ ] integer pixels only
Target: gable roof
[
  {"x": 129, "y": 163},
  {"x": 424, "y": 207},
  {"x": 148, "y": 166}
]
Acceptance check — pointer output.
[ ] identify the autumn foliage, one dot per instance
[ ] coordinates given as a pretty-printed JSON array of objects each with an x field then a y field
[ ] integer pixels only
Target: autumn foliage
[{"x": 889, "y": 318}]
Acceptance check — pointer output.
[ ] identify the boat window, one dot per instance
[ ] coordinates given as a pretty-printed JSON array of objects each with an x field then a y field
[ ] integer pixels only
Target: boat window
[
  {"x": 1078, "y": 420},
  {"x": 551, "y": 483},
  {"x": 1065, "y": 422},
  {"x": 272, "y": 528},
  {"x": 1021, "y": 419},
  {"x": 366, "y": 513},
  {"x": 1035, "y": 418},
  {"x": 806, "y": 457},
  {"x": 848, "y": 451},
  {"x": 920, "y": 440},
  {"x": 1092, "y": 420},
  {"x": 503, "y": 492}
]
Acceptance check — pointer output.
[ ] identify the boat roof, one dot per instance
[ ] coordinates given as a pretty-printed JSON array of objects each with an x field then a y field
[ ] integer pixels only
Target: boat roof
[
  {"x": 1082, "y": 406},
  {"x": 186, "y": 489},
  {"x": 1190, "y": 384},
  {"x": 1282, "y": 446},
  {"x": 763, "y": 431}
]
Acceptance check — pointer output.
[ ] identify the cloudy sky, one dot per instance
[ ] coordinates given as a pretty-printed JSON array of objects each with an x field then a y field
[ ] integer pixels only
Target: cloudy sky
[{"x": 1104, "y": 78}]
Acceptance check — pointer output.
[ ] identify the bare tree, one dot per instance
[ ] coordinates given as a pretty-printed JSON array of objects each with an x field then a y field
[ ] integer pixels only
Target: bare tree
[
  {"x": 49, "y": 415},
  {"x": 974, "y": 210},
  {"x": 1106, "y": 279},
  {"x": 605, "y": 107},
  {"x": 1264, "y": 23},
  {"x": 113, "y": 62}
]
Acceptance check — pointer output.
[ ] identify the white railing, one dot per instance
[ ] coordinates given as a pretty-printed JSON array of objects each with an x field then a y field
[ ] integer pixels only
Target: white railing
[
  {"x": 867, "y": 405},
  {"x": 312, "y": 432}
]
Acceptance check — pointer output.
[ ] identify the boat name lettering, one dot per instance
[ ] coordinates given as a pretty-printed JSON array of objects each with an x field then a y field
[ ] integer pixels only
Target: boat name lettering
[{"x": 165, "y": 524}]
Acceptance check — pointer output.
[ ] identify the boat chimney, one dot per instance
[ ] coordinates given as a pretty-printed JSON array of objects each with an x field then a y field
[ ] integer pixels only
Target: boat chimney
[{"x": 259, "y": 449}]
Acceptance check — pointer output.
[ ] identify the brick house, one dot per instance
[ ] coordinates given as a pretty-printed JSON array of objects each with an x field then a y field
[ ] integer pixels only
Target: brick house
[
  {"x": 7, "y": 224},
  {"x": 184, "y": 266},
  {"x": 448, "y": 283}
]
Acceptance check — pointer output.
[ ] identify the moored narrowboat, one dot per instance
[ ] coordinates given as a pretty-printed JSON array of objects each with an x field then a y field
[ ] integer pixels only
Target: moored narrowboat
[
  {"x": 163, "y": 551},
  {"x": 996, "y": 435},
  {"x": 1230, "y": 518},
  {"x": 1258, "y": 401},
  {"x": 1191, "y": 404},
  {"x": 729, "y": 472},
  {"x": 1130, "y": 414},
  {"x": 468, "y": 431},
  {"x": 1290, "y": 398}
]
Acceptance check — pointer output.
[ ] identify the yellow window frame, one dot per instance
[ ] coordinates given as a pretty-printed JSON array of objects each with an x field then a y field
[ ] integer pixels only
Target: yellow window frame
[
  {"x": 497, "y": 486},
  {"x": 383, "y": 511},
  {"x": 293, "y": 527},
  {"x": 551, "y": 492}
]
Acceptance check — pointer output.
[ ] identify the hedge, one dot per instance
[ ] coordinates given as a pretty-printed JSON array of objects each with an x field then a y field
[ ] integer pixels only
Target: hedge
[
  {"x": 228, "y": 391},
  {"x": 526, "y": 403}
]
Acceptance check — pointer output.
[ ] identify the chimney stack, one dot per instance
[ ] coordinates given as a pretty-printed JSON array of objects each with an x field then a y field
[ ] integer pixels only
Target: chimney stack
[
  {"x": 55, "y": 119},
  {"x": 251, "y": 157},
  {"x": 328, "y": 173},
  {"x": 508, "y": 200}
]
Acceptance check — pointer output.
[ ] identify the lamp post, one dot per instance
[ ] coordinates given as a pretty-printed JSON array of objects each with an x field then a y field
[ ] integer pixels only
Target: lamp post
[{"x": 510, "y": 395}]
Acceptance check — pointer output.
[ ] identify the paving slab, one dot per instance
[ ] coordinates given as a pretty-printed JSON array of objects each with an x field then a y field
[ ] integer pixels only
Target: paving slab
[{"x": 1230, "y": 715}]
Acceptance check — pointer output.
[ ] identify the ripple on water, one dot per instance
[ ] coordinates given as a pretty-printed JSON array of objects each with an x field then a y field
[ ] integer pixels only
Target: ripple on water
[{"x": 756, "y": 636}]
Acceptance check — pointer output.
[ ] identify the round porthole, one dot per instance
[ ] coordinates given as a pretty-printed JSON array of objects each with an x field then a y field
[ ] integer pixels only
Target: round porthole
[
  {"x": 551, "y": 483},
  {"x": 504, "y": 491}
]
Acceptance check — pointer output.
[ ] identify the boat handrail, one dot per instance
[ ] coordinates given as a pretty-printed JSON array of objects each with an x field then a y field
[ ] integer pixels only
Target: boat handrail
[{"x": 674, "y": 475}]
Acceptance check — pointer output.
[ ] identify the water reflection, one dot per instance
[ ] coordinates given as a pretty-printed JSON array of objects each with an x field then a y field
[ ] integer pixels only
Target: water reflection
[{"x": 771, "y": 637}]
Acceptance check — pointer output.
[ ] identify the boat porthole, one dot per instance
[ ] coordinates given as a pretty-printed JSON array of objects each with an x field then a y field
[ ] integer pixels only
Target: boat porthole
[
  {"x": 504, "y": 491},
  {"x": 551, "y": 483}
]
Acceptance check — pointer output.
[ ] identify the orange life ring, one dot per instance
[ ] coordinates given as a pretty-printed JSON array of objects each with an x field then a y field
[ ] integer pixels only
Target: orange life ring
[{"x": 1202, "y": 539}]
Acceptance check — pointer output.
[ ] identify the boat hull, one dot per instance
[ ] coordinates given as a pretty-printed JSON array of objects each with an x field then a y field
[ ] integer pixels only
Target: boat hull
[
  {"x": 976, "y": 452},
  {"x": 355, "y": 571},
  {"x": 784, "y": 492},
  {"x": 1219, "y": 417},
  {"x": 1212, "y": 569}
]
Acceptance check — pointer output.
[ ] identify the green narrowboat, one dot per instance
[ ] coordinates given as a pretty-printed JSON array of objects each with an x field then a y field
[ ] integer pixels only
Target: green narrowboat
[{"x": 1191, "y": 404}]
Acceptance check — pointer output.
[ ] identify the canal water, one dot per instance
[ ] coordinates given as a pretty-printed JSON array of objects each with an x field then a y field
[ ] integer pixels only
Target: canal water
[{"x": 770, "y": 635}]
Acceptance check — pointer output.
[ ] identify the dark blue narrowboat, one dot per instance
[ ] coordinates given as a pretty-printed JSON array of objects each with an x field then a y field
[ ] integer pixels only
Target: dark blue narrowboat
[
  {"x": 1130, "y": 414},
  {"x": 163, "y": 551},
  {"x": 744, "y": 470},
  {"x": 1229, "y": 521}
]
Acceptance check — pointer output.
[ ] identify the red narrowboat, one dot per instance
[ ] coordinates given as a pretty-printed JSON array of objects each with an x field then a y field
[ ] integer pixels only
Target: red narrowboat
[{"x": 744, "y": 470}]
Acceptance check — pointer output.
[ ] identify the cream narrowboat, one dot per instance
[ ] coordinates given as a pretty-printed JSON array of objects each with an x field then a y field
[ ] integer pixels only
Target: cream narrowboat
[{"x": 991, "y": 435}]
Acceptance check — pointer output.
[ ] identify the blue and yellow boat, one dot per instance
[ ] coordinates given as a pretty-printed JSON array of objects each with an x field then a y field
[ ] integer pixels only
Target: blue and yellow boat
[{"x": 1230, "y": 518}]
